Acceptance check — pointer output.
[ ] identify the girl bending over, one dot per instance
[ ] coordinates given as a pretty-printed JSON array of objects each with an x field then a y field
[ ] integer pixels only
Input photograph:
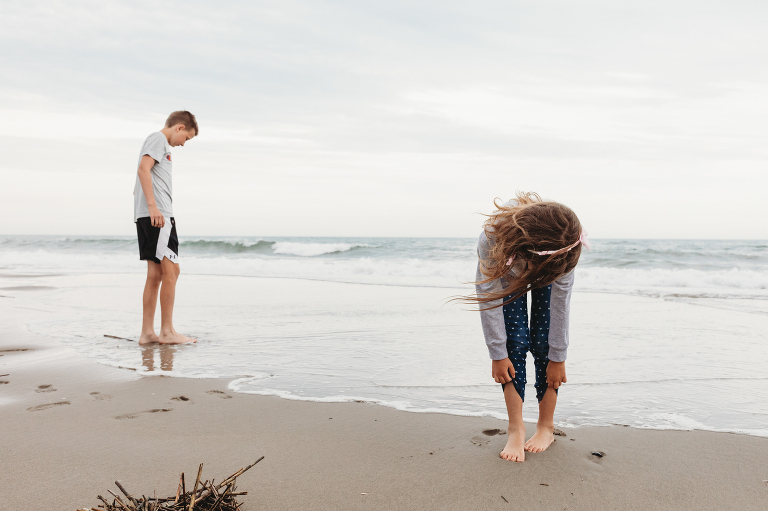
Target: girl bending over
[{"x": 528, "y": 245}]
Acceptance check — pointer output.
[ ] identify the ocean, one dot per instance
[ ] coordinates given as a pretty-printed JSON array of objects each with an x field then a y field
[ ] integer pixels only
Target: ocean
[{"x": 665, "y": 334}]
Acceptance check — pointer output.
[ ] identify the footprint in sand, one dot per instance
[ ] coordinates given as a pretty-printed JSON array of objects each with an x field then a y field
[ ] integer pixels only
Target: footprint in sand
[
  {"x": 98, "y": 396},
  {"x": 596, "y": 457},
  {"x": 180, "y": 398},
  {"x": 485, "y": 440},
  {"x": 134, "y": 415},
  {"x": 222, "y": 395},
  {"x": 3, "y": 382},
  {"x": 45, "y": 388},
  {"x": 46, "y": 406}
]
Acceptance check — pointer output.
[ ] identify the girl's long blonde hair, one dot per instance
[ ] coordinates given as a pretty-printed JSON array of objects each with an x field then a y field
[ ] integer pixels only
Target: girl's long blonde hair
[{"x": 519, "y": 231}]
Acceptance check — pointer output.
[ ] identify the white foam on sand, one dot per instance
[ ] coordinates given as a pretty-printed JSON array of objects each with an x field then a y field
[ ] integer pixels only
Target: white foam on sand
[{"x": 5, "y": 400}]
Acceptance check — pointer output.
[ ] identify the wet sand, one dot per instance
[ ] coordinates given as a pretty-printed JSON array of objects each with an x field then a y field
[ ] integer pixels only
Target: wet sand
[{"x": 71, "y": 427}]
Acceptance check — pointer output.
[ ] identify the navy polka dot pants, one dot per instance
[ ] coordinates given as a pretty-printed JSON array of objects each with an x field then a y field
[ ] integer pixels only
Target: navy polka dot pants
[{"x": 521, "y": 339}]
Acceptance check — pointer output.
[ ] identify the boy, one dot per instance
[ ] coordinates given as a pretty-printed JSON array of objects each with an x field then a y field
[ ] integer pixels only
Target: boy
[{"x": 156, "y": 226}]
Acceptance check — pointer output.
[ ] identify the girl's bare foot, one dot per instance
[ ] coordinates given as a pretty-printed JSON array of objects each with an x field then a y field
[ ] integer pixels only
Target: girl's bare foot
[
  {"x": 514, "y": 451},
  {"x": 542, "y": 439},
  {"x": 149, "y": 338},
  {"x": 174, "y": 338}
]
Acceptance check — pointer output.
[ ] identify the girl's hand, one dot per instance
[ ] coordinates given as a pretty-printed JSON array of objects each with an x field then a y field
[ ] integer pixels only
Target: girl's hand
[
  {"x": 556, "y": 374},
  {"x": 502, "y": 370}
]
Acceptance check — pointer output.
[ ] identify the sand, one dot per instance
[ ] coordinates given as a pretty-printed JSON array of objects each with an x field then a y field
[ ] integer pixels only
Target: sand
[{"x": 70, "y": 427}]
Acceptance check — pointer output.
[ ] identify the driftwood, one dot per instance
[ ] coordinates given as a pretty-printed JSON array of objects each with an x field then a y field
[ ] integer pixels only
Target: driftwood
[
  {"x": 204, "y": 496},
  {"x": 120, "y": 338}
]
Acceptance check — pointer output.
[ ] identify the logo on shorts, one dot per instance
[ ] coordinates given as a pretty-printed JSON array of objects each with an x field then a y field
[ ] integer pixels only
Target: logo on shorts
[{"x": 168, "y": 157}]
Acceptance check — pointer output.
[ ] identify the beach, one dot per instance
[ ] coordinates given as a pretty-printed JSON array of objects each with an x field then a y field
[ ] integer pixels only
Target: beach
[
  {"x": 71, "y": 427},
  {"x": 345, "y": 364},
  {"x": 319, "y": 232}
]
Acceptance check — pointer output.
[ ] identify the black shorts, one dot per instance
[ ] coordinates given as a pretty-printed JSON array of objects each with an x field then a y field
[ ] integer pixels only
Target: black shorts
[{"x": 155, "y": 243}]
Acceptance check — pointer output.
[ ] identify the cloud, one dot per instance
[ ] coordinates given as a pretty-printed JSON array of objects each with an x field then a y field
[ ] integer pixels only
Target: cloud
[{"x": 430, "y": 107}]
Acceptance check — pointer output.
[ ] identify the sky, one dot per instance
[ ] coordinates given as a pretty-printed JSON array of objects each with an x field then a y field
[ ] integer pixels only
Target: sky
[{"x": 396, "y": 118}]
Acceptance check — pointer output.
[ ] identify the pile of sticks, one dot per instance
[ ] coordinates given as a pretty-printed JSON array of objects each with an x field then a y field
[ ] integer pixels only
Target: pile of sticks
[{"x": 205, "y": 496}]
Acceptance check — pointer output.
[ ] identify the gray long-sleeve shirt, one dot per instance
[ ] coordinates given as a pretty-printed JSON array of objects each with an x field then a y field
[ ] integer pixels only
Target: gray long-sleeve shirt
[{"x": 493, "y": 319}]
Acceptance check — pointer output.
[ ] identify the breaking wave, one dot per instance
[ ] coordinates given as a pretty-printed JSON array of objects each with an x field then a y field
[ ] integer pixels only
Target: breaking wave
[{"x": 657, "y": 268}]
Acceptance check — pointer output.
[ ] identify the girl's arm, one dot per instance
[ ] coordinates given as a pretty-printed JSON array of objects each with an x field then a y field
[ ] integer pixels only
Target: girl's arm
[
  {"x": 559, "y": 312},
  {"x": 492, "y": 320}
]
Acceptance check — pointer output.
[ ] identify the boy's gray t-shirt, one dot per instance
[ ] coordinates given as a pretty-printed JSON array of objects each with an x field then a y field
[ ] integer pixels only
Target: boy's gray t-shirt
[{"x": 157, "y": 147}]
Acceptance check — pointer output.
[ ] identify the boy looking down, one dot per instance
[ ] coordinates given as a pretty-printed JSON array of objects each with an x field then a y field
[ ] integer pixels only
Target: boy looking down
[{"x": 156, "y": 226}]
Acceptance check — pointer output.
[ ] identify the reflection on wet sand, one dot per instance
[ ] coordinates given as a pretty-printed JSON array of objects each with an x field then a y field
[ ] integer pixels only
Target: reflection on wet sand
[{"x": 166, "y": 356}]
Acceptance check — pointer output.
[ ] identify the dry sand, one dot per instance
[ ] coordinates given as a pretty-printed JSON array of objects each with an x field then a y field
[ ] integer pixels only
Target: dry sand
[{"x": 70, "y": 427}]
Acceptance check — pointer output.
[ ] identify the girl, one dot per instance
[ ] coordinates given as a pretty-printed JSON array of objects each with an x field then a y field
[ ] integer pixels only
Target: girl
[{"x": 528, "y": 245}]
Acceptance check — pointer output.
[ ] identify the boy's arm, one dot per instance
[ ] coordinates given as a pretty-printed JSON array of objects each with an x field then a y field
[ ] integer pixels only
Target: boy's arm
[{"x": 145, "y": 178}]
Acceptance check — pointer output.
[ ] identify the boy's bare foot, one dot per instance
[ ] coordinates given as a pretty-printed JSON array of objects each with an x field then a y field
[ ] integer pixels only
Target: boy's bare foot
[
  {"x": 174, "y": 338},
  {"x": 514, "y": 451},
  {"x": 542, "y": 439},
  {"x": 148, "y": 338}
]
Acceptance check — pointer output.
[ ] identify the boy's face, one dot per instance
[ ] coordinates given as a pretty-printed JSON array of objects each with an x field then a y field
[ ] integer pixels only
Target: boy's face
[{"x": 180, "y": 135}]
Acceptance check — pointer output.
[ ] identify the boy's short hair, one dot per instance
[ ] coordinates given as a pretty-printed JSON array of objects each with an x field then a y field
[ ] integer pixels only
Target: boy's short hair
[{"x": 183, "y": 117}]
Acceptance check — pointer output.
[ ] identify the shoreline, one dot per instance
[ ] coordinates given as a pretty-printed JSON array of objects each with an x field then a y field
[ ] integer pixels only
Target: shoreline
[
  {"x": 610, "y": 333},
  {"x": 118, "y": 425},
  {"x": 229, "y": 381}
]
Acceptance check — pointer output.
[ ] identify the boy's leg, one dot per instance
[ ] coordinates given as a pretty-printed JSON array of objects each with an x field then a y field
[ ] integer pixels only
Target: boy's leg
[
  {"x": 166, "y": 357},
  {"x": 168, "y": 335},
  {"x": 518, "y": 337},
  {"x": 547, "y": 396},
  {"x": 151, "y": 288},
  {"x": 148, "y": 357}
]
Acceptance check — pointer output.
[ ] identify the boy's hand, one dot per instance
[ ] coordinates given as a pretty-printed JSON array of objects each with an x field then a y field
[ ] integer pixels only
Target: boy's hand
[
  {"x": 158, "y": 220},
  {"x": 556, "y": 374},
  {"x": 502, "y": 370}
]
